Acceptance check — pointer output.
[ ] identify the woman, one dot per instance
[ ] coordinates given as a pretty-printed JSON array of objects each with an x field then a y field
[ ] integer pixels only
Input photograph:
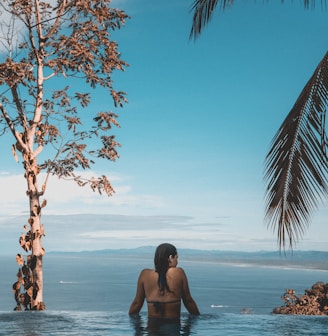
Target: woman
[{"x": 164, "y": 287}]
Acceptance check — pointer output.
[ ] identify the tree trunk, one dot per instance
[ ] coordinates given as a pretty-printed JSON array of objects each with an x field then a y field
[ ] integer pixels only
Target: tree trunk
[{"x": 35, "y": 259}]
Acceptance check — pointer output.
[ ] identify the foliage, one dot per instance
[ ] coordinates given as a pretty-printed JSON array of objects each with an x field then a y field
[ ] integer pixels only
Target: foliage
[
  {"x": 48, "y": 46},
  {"x": 203, "y": 11},
  {"x": 296, "y": 165}
]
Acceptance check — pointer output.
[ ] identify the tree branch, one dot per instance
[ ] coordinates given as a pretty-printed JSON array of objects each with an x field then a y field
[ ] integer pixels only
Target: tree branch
[{"x": 11, "y": 125}]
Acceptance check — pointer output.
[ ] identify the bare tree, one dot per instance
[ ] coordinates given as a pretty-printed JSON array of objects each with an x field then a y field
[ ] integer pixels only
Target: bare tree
[
  {"x": 57, "y": 43},
  {"x": 296, "y": 167}
]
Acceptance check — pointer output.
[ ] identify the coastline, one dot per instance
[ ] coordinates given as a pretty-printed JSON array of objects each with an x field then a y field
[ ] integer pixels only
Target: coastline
[
  {"x": 304, "y": 260},
  {"x": 305, "y": 265}
]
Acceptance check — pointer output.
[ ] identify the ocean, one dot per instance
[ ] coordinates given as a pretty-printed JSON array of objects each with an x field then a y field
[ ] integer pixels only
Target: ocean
[{"x": 90, "y": 294}]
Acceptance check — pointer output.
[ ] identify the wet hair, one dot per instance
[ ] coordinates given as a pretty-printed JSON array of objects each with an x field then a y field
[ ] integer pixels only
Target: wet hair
[{"x": 161, "y": 261}]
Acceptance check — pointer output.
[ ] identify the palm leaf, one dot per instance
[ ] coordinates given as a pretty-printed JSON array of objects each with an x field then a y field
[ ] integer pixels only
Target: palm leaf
[
  {"x": 203, "y": 11},
  {"x": 296, "y": 165}
]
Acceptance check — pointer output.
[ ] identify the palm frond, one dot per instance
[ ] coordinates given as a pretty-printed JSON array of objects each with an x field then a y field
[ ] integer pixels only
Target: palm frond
[
  {"x": 203, "y": 11},
  {"x": 296, "y": 165}
]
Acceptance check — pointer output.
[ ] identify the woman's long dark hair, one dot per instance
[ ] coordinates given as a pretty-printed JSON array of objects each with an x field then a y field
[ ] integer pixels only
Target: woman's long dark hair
[{"x": 161, "y": 261}]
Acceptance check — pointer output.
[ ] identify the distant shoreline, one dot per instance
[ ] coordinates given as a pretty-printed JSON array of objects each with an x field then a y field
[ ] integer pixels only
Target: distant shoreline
[
  {"x": 306, "y": 260},
  {"x": 301, "y": 265}
]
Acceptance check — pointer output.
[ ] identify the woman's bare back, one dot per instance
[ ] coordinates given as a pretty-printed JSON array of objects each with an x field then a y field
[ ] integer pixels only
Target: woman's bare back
[
  {"x": 164, "y": 287},
  {"x": 167, "y": 304}
]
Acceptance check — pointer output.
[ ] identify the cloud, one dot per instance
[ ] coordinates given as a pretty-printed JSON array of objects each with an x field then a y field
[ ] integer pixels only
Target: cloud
[
  {"x": 81, "y": 232},
  {"x": 65, "y": 197},
  {"x": 92, "y": 232},
  {"x": 77, "y": 219}
]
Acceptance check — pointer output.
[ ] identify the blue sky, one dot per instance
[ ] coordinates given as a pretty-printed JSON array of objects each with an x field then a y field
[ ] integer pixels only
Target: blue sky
[{"x": 194, "y": 135}]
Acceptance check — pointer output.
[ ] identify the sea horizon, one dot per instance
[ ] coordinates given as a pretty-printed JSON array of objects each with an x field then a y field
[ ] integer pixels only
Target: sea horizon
[{"x": 303, "y": 259}]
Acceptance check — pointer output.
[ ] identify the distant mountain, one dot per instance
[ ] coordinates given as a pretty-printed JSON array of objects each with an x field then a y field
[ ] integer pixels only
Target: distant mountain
[{"x": 300, "y": 259}]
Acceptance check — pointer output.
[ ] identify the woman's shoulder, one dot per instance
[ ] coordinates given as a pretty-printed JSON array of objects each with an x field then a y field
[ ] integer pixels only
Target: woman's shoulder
[
  {"x": 147, "y": 271},
  {"x": 177, "y": 271}
]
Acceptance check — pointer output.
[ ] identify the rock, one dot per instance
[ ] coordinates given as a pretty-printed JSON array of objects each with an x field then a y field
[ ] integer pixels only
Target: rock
[{"x": 314, "y": 301}]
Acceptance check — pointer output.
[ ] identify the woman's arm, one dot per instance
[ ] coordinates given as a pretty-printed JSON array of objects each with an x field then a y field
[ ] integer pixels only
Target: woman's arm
[
  {"x": 139, "y": 299},
  {"x": 187, "y": 299}
]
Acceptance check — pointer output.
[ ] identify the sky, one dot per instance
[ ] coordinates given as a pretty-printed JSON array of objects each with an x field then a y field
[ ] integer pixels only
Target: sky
[{"x": 199, "y": 122}]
